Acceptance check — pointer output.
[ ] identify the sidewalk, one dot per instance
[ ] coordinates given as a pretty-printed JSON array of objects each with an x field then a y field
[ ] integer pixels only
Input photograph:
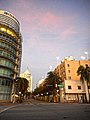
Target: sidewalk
[{"x": 6, "y": 104}]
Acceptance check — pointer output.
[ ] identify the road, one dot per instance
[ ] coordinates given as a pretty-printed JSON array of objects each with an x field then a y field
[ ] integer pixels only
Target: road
[{"x": 34, "y": 110}]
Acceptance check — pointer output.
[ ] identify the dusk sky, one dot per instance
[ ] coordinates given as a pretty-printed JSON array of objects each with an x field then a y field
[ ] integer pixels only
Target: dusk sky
[{"x": 50, "y": 28}]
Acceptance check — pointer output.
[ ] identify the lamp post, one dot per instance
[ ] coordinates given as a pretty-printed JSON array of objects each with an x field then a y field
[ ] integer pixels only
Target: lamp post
[
  {"x": 20, "y": 99},
  {"x": 14, "y": 90},
  {"x": 12, "y": 76}
]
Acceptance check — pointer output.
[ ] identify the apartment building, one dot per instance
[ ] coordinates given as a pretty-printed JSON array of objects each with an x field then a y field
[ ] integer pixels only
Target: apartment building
[
  {"x": 68, "y": 67},
  {"x": 73, "y": 89}
]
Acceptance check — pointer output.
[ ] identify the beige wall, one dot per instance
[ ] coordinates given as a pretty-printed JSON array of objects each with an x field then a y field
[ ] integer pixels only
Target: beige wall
[
  {"x": 74, "y": 86},
  {"x": 71, "y": 67},
  {"x": 84, "y": 62},
  {"x": 68, "y": 69}
]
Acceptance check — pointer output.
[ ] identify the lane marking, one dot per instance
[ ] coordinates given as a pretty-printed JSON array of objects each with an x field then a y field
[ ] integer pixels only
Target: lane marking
[{"x": 7, "y": 108}]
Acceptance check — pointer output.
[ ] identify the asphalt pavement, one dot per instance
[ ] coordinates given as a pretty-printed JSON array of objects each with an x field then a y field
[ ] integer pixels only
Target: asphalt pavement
[
  {"x": 5, "y": 106},
  {"x": 38, "y": 110}
]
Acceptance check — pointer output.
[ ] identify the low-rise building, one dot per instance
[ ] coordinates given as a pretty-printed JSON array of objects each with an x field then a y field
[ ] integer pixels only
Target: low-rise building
[{"x": 73, "y": 90}]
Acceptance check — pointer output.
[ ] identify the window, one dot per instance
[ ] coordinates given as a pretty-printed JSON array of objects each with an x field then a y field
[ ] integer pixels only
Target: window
[
  {"x": 88, "y": 87},
  {"x": 79, "y": 87},
  {"x": 68, "y": 71},
  {"x": 6, "y": 82},
  {"x": 69, "y": 87},
  {"x": 9, "y": 83},
  {"x": 3, "y": 29},
  {"x": 2, "y": 82},
  {"x": 68, "y": 65},
  {"x": 69, "y": 77}
]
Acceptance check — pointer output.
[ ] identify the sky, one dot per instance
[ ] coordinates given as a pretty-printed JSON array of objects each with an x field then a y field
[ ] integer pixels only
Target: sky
[{"x": 50, "y": 29}]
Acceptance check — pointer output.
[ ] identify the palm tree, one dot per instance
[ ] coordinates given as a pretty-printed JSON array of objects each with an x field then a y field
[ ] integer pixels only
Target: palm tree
[
  {"x": 52, "y": 81},
  {"x": 49, "y": 85},
  {"x": 22, "y": 85},
  {"x": 84, "y": 73}
]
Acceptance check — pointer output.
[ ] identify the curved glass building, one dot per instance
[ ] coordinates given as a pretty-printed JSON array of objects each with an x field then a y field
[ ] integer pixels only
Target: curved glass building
[{"x": 10, "y": 53}]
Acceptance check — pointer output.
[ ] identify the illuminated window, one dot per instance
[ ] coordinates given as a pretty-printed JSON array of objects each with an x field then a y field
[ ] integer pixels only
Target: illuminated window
[
  {"x": 3, "y": 29},
  {"x": 10, "y": 32}
]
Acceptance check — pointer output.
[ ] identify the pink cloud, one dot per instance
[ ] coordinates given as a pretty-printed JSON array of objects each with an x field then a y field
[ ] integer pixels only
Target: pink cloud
[
  {"x": 49, "y": 18},
  {"x": 45, "y": 20},
  {"x": 53, "y": 21},
  {"x": 68, "y": 31},
  {"x": 38, "y": 21}
]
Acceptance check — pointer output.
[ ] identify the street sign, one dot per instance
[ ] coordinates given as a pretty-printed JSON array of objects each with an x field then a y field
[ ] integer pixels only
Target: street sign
[{"x": 60, "y": 85}]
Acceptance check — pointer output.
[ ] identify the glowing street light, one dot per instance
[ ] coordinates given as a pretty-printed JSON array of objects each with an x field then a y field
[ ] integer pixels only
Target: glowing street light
[
  {"x": 50, "y": 67},
  {"x": 86, "y": 55},
  {"x": 82, "y": 57},
  {"x": 57, "y": 60}
]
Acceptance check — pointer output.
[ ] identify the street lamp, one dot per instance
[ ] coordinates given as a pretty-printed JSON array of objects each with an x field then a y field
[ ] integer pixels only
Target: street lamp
[
  {"x": 82, "y": 57},
  {"x": 57, "y": 60},
  {"x": 86, "y": 55},
  {"x": 50, "y": 67},
  {"x": 19, "y": 93}
]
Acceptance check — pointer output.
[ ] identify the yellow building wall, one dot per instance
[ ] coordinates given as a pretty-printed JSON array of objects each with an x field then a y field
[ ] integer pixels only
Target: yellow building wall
[
  {"x": 71, "y": 67},
  {"x": 68, "y": 69}
]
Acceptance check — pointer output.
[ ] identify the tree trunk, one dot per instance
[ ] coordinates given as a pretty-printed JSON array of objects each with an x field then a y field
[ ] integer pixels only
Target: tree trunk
[{"x": 86, "y": 90}]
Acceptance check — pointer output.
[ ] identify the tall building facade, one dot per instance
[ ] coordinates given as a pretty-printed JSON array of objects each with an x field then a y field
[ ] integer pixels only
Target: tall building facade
[
  {"x": 10, "y": 53},
  {"x": 28, "y": 76},
  {"x": 67, "y": 70}
]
